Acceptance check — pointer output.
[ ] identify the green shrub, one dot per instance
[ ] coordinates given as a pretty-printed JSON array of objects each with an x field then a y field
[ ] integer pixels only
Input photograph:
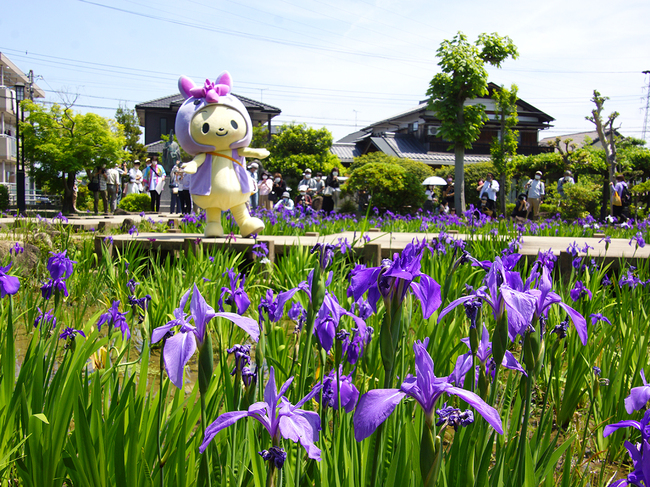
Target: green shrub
[
  {"x": 4, "y": 197},
  {"x": 390, "y": 186},
  {"x": 84, "y": 198},
  {"x": 581, "y": 199},
  {"x": 136, "y": 203}
]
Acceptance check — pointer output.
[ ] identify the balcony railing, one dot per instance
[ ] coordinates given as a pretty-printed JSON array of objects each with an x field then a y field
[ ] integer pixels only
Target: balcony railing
[{"x": 7, "y": 147}]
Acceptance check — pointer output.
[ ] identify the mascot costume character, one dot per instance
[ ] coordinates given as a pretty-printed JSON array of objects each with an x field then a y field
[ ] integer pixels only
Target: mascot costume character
[{"x": 214, "y": 127}]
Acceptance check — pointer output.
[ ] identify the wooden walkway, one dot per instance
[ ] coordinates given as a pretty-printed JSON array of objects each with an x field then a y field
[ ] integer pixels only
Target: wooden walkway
[{"x": 380, "y": 245}]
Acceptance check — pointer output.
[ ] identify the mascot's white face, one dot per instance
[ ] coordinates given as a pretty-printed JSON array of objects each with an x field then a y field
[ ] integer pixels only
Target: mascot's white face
[{"x": 218, "y": 126}]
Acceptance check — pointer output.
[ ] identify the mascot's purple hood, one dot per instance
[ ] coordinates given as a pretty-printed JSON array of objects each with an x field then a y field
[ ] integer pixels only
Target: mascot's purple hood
[{"x": 197, "y": 97}]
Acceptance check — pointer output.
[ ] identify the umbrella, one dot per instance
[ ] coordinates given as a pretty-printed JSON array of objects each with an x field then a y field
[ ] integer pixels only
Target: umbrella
[{"x": 434, "y": 181}]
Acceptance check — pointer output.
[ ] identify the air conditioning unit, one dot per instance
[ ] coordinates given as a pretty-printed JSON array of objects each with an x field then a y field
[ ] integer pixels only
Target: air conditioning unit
[{"x": 433, "y": 130}]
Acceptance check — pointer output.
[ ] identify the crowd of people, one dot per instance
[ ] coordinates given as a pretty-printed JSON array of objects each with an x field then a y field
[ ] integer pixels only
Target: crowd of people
[
  {"x": 528, "y": 202},
  {"x": 270, "y": 191}
]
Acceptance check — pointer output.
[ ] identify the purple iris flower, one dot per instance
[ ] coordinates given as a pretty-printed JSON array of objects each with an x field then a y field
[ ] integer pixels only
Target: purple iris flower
[
  {"x": 630, "y": 280},
  {"x": 235, "y": 293},
  {"x": 579, "y": 290},
  {"x": 484, "y": 354},
  {"x": 596, "y": 317},
  {"x": 182, "y": 345},
  {"x": 638, "y": 238},
  {"x": 45, "y": 318},
  {"x": 454, "y": 416},
  {"x": 349, "y": 392},
  {"x": 375, "y": 406},
  {"x": 278, "y": 416},
  {"x": 242, "y": 357},
  {"x": 261, "y": 250},
  {"x": 640, "y": 452},
  {"x": 16, "y": 249},
  {"x": 131, "y": 285},
  {"x": 70, "y": 333},
  {"x": 394, "y": 278},
  {"x": 59, "y": 266},
  {"x": 325, "y": 254},
  {"x": 274, "y": 308},
  {"x": 115, "y": 318},
  {"x": 545, "y": 297},
  {"x": 639, "y": 396},
  {"x": 8, "y": 284},
  {"x": 328, "y": 319},
  {"x": 503, "y": 292},
  {"x": 50, "y": 286}
]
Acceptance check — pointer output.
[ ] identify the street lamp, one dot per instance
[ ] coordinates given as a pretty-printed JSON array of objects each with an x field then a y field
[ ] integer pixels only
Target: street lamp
[{"x": 20, "y": 154}]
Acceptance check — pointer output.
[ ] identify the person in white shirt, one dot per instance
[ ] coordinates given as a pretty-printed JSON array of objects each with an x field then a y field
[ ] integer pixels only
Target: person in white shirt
[
  {"x": 134, "y": 186},
  {"x": 491, "y": 190},
  {"x": 536, "y": 192}
]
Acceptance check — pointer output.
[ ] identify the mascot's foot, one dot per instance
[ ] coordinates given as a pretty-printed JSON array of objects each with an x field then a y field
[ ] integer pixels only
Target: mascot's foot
[
  {"x": 251, "y": 225},
  {"x": 213, "y": 229}
]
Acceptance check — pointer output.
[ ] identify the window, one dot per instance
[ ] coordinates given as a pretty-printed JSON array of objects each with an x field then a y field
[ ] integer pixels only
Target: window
[{"x": 163, "y": 126}]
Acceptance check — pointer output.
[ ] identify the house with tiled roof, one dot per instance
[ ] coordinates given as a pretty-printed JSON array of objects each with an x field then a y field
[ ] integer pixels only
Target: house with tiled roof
[
  {"x": 580, "y": 139},
  {"x": 158, "y": 116},
  {"x": 413, "y": 134}
]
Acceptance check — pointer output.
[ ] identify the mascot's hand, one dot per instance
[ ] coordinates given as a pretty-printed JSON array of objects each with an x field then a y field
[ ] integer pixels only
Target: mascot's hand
[
  {"x": 193, "y": 165},
  {"x": 255, "y": 153},
  {"x": 189, "y": 167}
]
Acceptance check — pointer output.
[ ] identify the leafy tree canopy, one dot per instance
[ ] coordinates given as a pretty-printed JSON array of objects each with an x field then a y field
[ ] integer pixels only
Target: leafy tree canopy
[
  {"x": 294, "y": 139},
  {"x": 421, "y": 170},
  {"x": 464, "y": 77},
  {"x": 59, "y": 143},
  {"x": 130, "y": 123},
  {"x": 298, "y": 147}
]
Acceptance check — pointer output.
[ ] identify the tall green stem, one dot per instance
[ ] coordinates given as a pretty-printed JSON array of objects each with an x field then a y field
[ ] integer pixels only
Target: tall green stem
[{"x": 160, "y": 413}]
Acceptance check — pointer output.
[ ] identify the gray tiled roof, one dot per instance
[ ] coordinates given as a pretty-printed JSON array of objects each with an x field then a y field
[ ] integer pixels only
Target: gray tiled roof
[
  {"x": 345, "y": 152},
  {"x": 177, "y": 100},
  {"x": 156, "y": 147}
]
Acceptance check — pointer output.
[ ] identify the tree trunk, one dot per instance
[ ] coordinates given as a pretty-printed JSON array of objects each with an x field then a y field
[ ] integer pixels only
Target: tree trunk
[
  {"x": 502, "y": 194},
  {"x": 459, "y": 156},
  {"x": 459, "y": 176},
  {"x": 68, "y": 193}
]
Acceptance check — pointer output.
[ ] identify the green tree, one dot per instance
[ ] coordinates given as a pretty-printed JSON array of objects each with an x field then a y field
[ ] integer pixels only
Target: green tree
[
  {"x": 130, "y": 123},
  {"x": 419, "y": 169},
  {"x": 298, "y": 147},
  {"x": 59, "y": 143},
  {"x": 464, "y": 77},
  {"x": 605, "y": 129},
  {"x": 260, "y": 137},
  {"x": 504, "y": 147}
]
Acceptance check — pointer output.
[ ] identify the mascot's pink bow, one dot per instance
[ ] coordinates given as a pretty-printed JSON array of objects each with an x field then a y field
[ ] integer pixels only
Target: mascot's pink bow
[{"x": 210, "y": 91}]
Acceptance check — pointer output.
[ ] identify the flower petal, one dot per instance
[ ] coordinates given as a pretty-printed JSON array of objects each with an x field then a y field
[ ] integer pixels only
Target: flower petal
[
  {"x": 249, "y": 325},
  {"x": 638, "y": 398},
  {"x": 302, "y": 427},
  {"x": 610, "y": 428},
  {"x": 490, "y": 414},
  {"x": 428, "y": 292},
  {"x": 178, "y": 351},
  {"x": 373, "y": 408},
  {"x": 223, "y": 421}
]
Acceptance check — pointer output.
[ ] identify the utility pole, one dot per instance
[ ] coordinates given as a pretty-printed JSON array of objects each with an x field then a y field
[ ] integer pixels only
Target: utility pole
[{"x": 647, "y": 108}]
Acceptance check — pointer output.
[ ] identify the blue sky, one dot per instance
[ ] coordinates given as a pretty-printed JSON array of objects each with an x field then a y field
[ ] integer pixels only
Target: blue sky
[{"x": 331, "y": 63}]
